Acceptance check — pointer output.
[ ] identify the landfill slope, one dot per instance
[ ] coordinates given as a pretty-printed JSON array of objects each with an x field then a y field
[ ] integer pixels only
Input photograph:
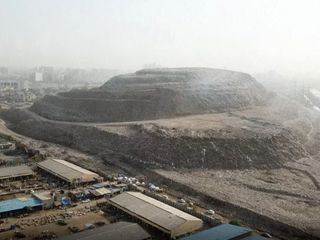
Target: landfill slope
[{"x": 155, "y": 93}]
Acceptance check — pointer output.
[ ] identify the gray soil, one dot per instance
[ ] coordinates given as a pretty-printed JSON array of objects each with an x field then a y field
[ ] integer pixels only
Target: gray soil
[
  {"x": 240, "y": 145},
  {"x": 155, "y": 93}
]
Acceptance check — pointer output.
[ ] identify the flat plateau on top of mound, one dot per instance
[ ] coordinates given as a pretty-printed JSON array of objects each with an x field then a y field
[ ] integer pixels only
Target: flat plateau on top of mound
[{"x": 156, "y": 93}]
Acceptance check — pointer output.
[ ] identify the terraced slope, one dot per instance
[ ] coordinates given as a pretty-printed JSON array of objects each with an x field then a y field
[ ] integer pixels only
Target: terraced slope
[{"x": 155, "y": 93}]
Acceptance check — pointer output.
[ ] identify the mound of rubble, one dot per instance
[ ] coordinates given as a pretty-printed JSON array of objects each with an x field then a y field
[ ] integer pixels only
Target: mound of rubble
[
  {"x": 220, "y": 141},
  {"x": 155, "y": 93}
]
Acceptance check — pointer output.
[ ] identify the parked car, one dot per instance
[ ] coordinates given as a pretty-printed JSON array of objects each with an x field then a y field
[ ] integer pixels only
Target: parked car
[
  {"x": 165, "y": 197},
  {"x": 210, "y": 212},
  {"x": 182, "y": 201}
]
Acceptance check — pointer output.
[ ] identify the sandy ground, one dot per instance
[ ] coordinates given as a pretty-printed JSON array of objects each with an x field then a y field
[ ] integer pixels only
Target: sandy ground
[{"x": 287, "y": 195}]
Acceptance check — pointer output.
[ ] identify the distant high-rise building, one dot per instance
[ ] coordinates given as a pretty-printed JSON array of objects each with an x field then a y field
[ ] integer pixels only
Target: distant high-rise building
[{"x": 38, "y": 76}]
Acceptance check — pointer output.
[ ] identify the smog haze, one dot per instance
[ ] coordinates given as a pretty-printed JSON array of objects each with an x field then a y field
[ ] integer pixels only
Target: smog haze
[{"x": 250, "y": 36}]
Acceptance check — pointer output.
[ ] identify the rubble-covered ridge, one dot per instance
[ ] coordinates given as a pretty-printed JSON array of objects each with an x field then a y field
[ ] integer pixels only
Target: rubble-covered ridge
[
  {"x": 213, "y": 141},
  {"x": 156, "y": 93}
]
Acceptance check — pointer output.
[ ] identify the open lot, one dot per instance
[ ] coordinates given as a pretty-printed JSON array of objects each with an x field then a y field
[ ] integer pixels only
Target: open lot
[{"x": 37, "y": 222}]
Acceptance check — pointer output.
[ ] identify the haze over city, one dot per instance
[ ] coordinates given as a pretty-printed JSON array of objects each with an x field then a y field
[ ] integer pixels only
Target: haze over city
[
  {"x": 159, "y": 119},
  {"x": 245, "y": 35}
]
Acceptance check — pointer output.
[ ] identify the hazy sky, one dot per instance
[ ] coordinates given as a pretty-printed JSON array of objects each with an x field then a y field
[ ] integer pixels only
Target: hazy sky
[{"x": 246, "y": 35}]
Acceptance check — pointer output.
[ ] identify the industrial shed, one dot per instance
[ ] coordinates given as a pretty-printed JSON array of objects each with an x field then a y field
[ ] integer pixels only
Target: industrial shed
[
  {"x": 69, "y": 172},
  {"x": 165, "y": 218},
  {"x": 221, "y": 232},
  {"x": 18, "y": 205},
  {"x": 100, "y": 192},
  {"x": 10, "y": 173},
  {"x": 115, "y": 231},
  {"x": 46, "y": 197}
]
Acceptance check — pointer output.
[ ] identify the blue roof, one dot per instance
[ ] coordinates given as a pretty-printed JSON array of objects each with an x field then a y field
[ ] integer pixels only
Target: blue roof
[
  {"x": 18, "y": 204},
  {"x": 222, "y": 232},
  {"x": 256, "y": 238}
]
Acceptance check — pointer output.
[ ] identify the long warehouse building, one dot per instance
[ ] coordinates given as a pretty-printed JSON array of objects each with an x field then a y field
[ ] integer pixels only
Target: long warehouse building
[
  {"x": 11, "y": 173},
  {"x": 165, "y": 218},
  {"x": 69, "y": 172}
]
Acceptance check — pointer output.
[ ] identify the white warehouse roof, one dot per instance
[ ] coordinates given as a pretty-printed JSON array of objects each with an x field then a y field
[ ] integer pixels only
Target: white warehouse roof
[
  {"x": 158, "y": 214},
  {"x": 68, "y": 171}
]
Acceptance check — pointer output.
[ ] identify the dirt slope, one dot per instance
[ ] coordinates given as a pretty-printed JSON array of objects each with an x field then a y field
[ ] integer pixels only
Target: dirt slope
[
  {"x": 219, "y": 141},
  {"x": 156, "y": 93}
]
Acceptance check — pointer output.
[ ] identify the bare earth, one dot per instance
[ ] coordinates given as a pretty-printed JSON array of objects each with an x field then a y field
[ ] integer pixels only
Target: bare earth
[
  {"x": 285, "y": 195},
  {"x": 286, "y": 190}
]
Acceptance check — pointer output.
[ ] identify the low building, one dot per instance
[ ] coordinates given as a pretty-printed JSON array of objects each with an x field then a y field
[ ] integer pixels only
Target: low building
[
  {"x": 46, "y": 197},
  {"x": 221, "y": 232},
  {"x": 115, "y": 191},
  {"x": 115, "y": 231},
  {"x": 69, "y": 172},
  {"x": 19, "y": 205},
  {"x": 100, "y": 192},
  {"x": 167, "y": 219},
  {"x": 16, "y": 172},
  {"x": 10, "y": 83},
  {"x": 78, "y": 195},
  {"x": 102, "y": 184}
]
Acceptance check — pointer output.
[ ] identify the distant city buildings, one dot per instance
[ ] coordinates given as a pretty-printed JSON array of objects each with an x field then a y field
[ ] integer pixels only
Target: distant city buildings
[
  {"x": 4, "y": 71},
  {"x": 38, "y": 76},
  {"x": 24, "y": 85}
]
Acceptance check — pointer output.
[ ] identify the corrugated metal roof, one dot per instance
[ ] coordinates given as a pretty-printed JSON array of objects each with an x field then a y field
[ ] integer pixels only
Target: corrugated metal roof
[
  {"x": 153, "y": 210},
  {"x": 222, "y": 232},
  {"x": 74, "y": 167},
  {"x": 116, "y": 231},
  {"x": 9, "y": 172},
  {"x": 100, "y": 191},
  {"x": 18, "y": 203},
  {"x": 66, "y": 170},
  {"x": 103, "y": 191},
  {"x": 45, "y": 195}
]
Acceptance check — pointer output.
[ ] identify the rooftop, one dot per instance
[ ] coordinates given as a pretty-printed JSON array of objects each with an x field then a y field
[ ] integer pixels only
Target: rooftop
[
  {"x": 115, "y": 231},
  {"x": 18, "y": 204},
  {"x": 67, "y": 171},
  {"x": 46, "y": 195},
  {"x": 100, "y": 191},
  {"x": 152, "y": 210},
  {"x": 221, "y": 232},
  {"x": 17, "y": 171}
]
